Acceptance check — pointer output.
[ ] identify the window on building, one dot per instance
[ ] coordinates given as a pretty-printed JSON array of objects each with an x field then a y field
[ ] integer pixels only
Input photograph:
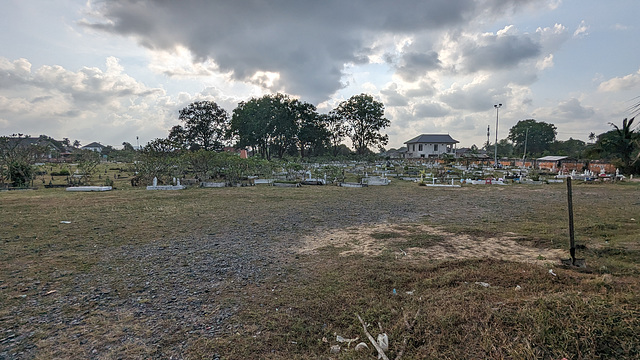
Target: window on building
[
  {"x": 420, "y": 147},
  {"x": 421, "y": 155},
  {"x": 413, "y": 147},
  {"x": 435, "y": 147}
]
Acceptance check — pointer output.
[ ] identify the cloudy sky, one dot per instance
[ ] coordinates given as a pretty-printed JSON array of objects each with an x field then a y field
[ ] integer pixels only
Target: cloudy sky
[{"x": 113, "y": 70}]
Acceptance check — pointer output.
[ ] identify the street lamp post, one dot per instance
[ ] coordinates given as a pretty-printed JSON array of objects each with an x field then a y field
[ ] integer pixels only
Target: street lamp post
[
  {"x": 526, "y": 138},
  {"x": 495, "y": 146}
]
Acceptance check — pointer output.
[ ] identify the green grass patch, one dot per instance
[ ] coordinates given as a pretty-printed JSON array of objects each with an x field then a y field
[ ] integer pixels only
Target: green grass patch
[{"x": 384, "y": 235}]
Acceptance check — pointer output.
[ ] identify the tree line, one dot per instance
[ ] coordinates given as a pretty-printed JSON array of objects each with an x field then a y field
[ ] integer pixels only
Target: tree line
[
  {"x": 277, "y": 125},
  {"x": 530, "y": 139}
]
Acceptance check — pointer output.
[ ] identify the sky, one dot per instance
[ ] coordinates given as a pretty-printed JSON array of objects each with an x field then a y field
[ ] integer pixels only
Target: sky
[{"x": 115, "y": 71}]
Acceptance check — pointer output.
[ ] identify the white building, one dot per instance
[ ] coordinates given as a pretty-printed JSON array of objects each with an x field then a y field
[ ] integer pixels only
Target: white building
[
  {"x": 430, "y": 145},
  {"x": 94, "y": 146}
]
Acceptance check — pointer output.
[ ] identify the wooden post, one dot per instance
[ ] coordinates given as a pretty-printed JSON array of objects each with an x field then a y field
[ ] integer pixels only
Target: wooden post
[{"x": 572, "y": 249}]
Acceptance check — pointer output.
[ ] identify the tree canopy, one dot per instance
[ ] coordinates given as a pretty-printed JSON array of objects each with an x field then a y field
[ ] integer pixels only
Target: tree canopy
[
  {"x": 313, "y": 135},
  {"x": 572, "y": 147},
  {"x": 266, "y": 124},
  {"x": 336, "y": 129},
  {"x": 364, "y": 118},
  {"x": 277, "y": 125},
  {"x": 17, "y": 156},
  {"x": 538, "y": 136},
  {"x": 205, "y": 126}
]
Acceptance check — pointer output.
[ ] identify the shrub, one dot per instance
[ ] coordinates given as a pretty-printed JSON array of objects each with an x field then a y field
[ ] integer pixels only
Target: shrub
[{"x": 62, "y": 172}]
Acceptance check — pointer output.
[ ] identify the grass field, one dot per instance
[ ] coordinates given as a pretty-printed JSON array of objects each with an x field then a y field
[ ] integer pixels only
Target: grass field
[{"x": 273, "y": 273}]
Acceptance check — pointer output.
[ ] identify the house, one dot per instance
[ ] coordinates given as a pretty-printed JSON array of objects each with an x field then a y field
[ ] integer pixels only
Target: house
[
  {"x": 431, "y": 145},
  {"x": 48, "y": 147},
  {"x": 395, "y": 153},
  {"x": 473, "y": 154},
  {"x": 94, "y": 146}
]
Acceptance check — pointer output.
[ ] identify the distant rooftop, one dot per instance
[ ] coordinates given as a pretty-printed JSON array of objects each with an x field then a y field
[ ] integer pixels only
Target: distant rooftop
[
  {"x": 552, "y": 158},
  {"x": 93, "y": 145},
  {"x": 433, "y": 138}
]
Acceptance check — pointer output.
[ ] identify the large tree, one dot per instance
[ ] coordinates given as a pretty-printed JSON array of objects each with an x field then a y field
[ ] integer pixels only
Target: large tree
[
  {"x": 336, "y": 129},
  {"x": 159, "y": 158},
  {"x": 205, "y": 126},
  {"x": 571, "y": 147},
  {"x": 88, "y": 162},
  {"x": 313, "y": 136},
  {"x": 17, "y": 157},
  {"x": 284, "y": 122},
  {"x": 249, "y": 125},
  {"x": 364, "y": 118},
  {"x": 271, "y": 124},
  {"x": 538, "y": 136}
]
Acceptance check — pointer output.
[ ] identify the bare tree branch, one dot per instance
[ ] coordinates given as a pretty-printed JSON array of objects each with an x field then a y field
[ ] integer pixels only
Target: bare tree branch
[{"x": 373, "y": 341}]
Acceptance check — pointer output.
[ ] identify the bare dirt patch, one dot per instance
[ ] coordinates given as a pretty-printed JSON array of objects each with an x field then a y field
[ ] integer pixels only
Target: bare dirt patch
[{"x": 419, "y": 242}]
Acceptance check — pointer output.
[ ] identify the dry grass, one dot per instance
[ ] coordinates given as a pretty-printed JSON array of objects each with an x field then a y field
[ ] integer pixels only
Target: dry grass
[
  {"x": 321, "y": 283},
  {"x": 417, "y": 242}
]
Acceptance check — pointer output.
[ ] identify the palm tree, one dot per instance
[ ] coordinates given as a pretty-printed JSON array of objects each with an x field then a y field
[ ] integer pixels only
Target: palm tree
[{"x": 625, "y": 142}]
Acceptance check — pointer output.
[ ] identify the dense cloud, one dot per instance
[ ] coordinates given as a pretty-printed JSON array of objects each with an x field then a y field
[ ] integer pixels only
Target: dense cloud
[
  {"x": 308, "y": 43},
  {"x": 497, "y": 52},
  {"x": 415, "y": 65},
  {"x": 430, "y": 109},
  {"x": 437, "y": 65},
  {"x": 574, "y": 110},
  {"x": 57, "y": 100}
]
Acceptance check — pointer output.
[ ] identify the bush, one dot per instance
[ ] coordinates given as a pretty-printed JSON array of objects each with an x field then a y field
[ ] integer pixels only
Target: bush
[
  {"x": 63, "y": 172},
  {"x": 20, "y": 173}
]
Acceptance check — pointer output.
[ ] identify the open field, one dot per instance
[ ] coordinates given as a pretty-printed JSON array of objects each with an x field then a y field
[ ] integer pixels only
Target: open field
[{"x": 274, "y": 273}]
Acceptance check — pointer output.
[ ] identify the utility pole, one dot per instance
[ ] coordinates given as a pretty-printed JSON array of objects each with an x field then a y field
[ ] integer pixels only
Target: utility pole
[
  {"x": 526, "y": 137},
  {"x": 498, "y": 106},
  {"x": 488, "y": 137}
]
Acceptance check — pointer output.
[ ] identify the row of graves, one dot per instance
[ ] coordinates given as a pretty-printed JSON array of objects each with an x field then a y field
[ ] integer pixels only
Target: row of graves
[{"x": 354, "y": 174}]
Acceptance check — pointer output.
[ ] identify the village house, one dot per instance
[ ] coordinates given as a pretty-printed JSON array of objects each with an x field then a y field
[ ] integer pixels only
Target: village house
[
  {"x": 430, "y": 145},
  {"x": 94, "y": 146},
  {"x": 395, "y": 153},
  {"x": 50, "y": 148},
  {"x": 474, "y": 154}
]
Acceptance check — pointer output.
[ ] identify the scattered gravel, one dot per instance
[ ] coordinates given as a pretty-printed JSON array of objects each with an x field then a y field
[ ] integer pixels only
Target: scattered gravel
[{"x": 162, "y": 295}]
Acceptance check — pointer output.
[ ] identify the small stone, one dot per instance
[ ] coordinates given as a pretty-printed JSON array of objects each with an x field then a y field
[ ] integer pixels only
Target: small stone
[{"x": 335, "y": 349}]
